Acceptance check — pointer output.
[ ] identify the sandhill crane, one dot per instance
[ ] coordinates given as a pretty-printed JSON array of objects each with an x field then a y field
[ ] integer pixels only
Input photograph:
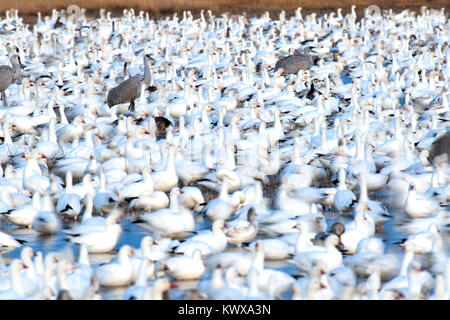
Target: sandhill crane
[
  {"x": 9, "y": 75},
  {"x": 130, "y": 89},
  {"x": 295, "y": 62}
]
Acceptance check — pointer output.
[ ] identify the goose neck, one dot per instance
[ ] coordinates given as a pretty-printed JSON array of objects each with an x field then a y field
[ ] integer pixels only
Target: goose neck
[
  {"x": 124, "y": 257},
  {"x": 258, "y": 259},
  {"x": 301, "y": 240},
  {"x": 83, "y": 258},
  {"x": 16, "y": 283},
  {"x": 341, "y": 179},
  {"x": 407, "y": 258},
  {"x": 224, "y": 190},
  {"x": 171, "y": 161},
  {"x": 69, "y": 182},
  {"x": 61, "y": 277},
  {"x": 174, "y": 205},
  {"x": 141, "y": 279},
  {"x": 363, "y": 196},
  {"x": 89, "y": 206}
]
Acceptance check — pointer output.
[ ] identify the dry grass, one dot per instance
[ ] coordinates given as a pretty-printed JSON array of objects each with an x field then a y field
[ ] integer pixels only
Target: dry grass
[{"x": 27, "y": 7}]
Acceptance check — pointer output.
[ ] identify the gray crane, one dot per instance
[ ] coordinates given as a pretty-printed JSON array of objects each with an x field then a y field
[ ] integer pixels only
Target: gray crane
[
  {"x": 9, "y": 75},
  {"x": 295, "y": 62},
  {"x": 130, "y": 89},
  {"x": 440, "y": 148}
]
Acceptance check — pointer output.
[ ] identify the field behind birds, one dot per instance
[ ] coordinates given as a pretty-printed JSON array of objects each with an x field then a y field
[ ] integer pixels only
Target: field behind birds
[{"x": 233, "y": 6}]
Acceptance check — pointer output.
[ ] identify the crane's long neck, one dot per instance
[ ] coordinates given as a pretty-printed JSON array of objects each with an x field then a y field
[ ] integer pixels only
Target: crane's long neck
[
  {"x": 147, "y": 74},
  {"x": 17, "y": 71}
]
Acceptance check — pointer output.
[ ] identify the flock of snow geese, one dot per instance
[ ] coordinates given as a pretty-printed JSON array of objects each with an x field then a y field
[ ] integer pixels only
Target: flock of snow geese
[{"x": 236, "y": 144}]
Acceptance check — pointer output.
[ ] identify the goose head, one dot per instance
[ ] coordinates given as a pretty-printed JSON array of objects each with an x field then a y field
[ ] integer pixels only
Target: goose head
[
  {"x": 333, "y": 241},
  {"x": 126, "y": 251},
  {"x": 147, "y": 242},
  {"x": 218, "y": 225},
  {"x": 337, "y": 228}
]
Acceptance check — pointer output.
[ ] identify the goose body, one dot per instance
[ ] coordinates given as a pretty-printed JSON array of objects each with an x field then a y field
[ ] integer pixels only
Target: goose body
[
  {"x": 46, "y": 222},
  {"x": 8, "y": 243},
  {"x": 343, "y": 198},
  {"x": 330, "y": 256},
  {"x": 184, "y": 267},
  {"x": 117, "y": 273},
  {"x": 69, "y": 203},
  {"x": 24, "y": 215},
  {"x": 243, "y": 231},
  {"x": 416, "y": 207},
  {"x": 15, "y": 292},
  {"x": 220, "y": 207},
  {"x": 174, "y": 221},
  {"x": 216, "y": 238},
  {"x": 103, "y": 239}
]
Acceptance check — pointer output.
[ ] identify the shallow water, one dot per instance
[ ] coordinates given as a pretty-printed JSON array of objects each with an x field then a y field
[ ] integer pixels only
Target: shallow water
[{"x": 132, "y": 235}]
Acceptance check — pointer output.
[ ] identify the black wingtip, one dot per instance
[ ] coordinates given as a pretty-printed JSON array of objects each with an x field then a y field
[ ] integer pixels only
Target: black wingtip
[
  {"x": 74, "y": 235},
  {"x": 401, "y": 242}
]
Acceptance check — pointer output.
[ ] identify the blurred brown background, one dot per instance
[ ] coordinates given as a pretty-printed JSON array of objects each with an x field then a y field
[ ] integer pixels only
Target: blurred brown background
[{"x": 158, "y": 7}]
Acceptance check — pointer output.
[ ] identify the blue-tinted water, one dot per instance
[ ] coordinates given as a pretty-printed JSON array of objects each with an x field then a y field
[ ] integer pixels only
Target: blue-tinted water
[{"x": 132, "y": 235}]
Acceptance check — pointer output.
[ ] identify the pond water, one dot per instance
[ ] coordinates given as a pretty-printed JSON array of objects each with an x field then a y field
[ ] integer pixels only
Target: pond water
[{"x": 132, "y": 235}]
